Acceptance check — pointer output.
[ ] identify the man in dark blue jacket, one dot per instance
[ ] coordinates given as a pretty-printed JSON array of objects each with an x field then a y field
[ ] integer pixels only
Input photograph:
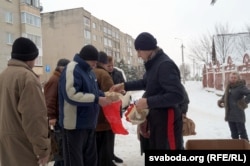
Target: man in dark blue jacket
[
  {"x": 79, "y": 100},
  {"x": 164, "y": 93}
]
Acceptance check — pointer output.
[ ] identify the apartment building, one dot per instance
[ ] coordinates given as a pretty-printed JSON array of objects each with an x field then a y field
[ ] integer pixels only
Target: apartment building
[
  {"x": 65, "y": 32},
  {"x": 61, "y": 34},
  {"x": 20, "y": 18}
]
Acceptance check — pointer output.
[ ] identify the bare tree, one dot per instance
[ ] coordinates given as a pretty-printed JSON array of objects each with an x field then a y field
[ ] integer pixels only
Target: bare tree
[
  {"x": 223, "y": 42},
  {"x": 220, "y": 45},
  {"x": 242, "y": 44},
  {"x": 201, "y": 50},
  {"x": 197, "y": 53}
]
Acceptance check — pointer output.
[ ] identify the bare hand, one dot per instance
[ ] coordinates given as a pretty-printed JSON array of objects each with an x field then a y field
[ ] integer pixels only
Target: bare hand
[
  {"x": 117, "y": 88},
  {"x": 52, "y": 122},
  {"x": 43, "y": 161},
  {"x": 104, "y": 101},
  {"x": 141, "y": 104}
]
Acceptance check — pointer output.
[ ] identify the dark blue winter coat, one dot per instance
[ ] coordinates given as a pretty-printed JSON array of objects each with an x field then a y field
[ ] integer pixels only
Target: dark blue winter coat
[{"x": 78, "y": 96}]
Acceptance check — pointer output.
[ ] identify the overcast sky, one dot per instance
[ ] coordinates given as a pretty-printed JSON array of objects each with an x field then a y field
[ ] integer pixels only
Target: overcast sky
[{"x": 187, "y": 20}]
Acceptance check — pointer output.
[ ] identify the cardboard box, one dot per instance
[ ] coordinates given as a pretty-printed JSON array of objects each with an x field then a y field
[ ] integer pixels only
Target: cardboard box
[{"x": 217, "y": 144}]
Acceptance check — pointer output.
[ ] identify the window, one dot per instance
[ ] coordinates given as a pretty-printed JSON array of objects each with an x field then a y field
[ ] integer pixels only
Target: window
[
  {"x": 9, "y": 39},
  {"x": 109, "y": 52},
  {"x": 113, "y": 34},
  {"x": 87, "y": 34},
  {"x": 27, "y": 1},
  {"x": 109, "y": 31},
  {"x": 27, "y": 18},
  {"x": 107, "y": 42},
  {"x": 117, "y": 35},
  {"x": 36, "y": 39},
  {"x": 34, "y": 3},
  {"x": 39, "y": 61},
  {"x": 93, "y": 25},
  {"x": 129, "y": 42},
  {"x": 86, "y": 21},
  {"x": 9, "y": 17},
  {"x": 105, "y": 30},
  {"x": 129, "y": 51}
]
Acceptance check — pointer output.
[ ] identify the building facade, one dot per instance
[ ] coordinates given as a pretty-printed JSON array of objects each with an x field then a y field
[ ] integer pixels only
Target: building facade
[
  {"x": 61, "y": 34},
  {"x": 20, "y": 18},
  {"x": 65, "y": 32}
]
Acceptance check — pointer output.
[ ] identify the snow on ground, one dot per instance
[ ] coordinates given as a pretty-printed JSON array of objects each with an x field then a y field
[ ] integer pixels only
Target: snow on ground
[{"x": 203, "y": 110}]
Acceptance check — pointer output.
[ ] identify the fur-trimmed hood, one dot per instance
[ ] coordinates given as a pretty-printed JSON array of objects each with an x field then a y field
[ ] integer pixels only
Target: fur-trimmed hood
[{"x": 235, "y": 98}]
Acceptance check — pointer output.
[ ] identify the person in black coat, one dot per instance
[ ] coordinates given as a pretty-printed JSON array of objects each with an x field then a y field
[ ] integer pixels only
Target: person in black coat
[
  {"x": 143, "y": 128},
  {"x": 164, "y": 93},
  {"x": 184, "y": 105},
  {"x": 235, "y": 100}
]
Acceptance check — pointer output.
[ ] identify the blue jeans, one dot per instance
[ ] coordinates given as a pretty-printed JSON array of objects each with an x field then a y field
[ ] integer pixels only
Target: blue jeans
[{"x": 79, "y": 147}]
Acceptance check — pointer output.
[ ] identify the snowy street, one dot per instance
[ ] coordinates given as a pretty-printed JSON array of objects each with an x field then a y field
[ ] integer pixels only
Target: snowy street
[{"x": 203, "y": 109}]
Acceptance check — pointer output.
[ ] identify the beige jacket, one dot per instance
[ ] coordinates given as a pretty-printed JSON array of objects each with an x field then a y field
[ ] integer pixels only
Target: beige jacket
[{"x": 23, "y": 117}]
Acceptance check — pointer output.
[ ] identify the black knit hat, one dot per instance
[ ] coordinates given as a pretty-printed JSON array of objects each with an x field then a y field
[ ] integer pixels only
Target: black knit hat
[
  {"x": 145, "y": 41},
  {"x": 24, "y": 49},
  {"x": 63, "y": 62},
  {"x": 103, "y": 57},
  {"x": 89, "y": 52}
]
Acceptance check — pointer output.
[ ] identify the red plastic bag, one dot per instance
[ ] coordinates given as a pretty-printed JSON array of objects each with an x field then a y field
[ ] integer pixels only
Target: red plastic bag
[
  {"x": 112, "y": 114},
  {"x": 128, "y": 111}
]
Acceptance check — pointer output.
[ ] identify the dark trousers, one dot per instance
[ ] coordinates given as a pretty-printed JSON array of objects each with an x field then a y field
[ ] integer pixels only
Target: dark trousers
[
  {"x": 79, "y": 147},
  {"x": 165, "y": 129},
  {"x": 238, "y": 130},
  {"x": 104, "y": 142},
  {"x": 113, "y": 145},
  {"x": 144, "y": 144},
  {"x": 58, "y": 136}
]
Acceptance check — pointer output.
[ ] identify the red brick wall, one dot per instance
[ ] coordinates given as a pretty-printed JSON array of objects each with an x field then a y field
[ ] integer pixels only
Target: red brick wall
[{"x": 217, "y": 76}]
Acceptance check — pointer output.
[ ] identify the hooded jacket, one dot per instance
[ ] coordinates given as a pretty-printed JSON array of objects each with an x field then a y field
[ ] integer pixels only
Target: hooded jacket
[
  {"x": 235, "y": 99},
  {"x": 78, "y": 96}
]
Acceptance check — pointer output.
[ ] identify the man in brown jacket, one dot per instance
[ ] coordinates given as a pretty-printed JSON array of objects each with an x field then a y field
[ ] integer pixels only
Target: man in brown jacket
[
  {"x": 23, "y": 115},
  {"x": 104, "y": 133},
  {"x": 51, "y": 97}
]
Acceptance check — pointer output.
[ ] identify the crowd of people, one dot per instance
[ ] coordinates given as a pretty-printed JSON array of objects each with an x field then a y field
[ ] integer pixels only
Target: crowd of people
[{"x": 66, "y": 123}]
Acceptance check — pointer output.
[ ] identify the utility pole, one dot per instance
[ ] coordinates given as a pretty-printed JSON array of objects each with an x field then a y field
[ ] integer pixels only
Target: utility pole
[
  {"x": 183, "y": 65},
  {"x": 182, "y": 57},
  {"x": 193, "y": 68}
]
